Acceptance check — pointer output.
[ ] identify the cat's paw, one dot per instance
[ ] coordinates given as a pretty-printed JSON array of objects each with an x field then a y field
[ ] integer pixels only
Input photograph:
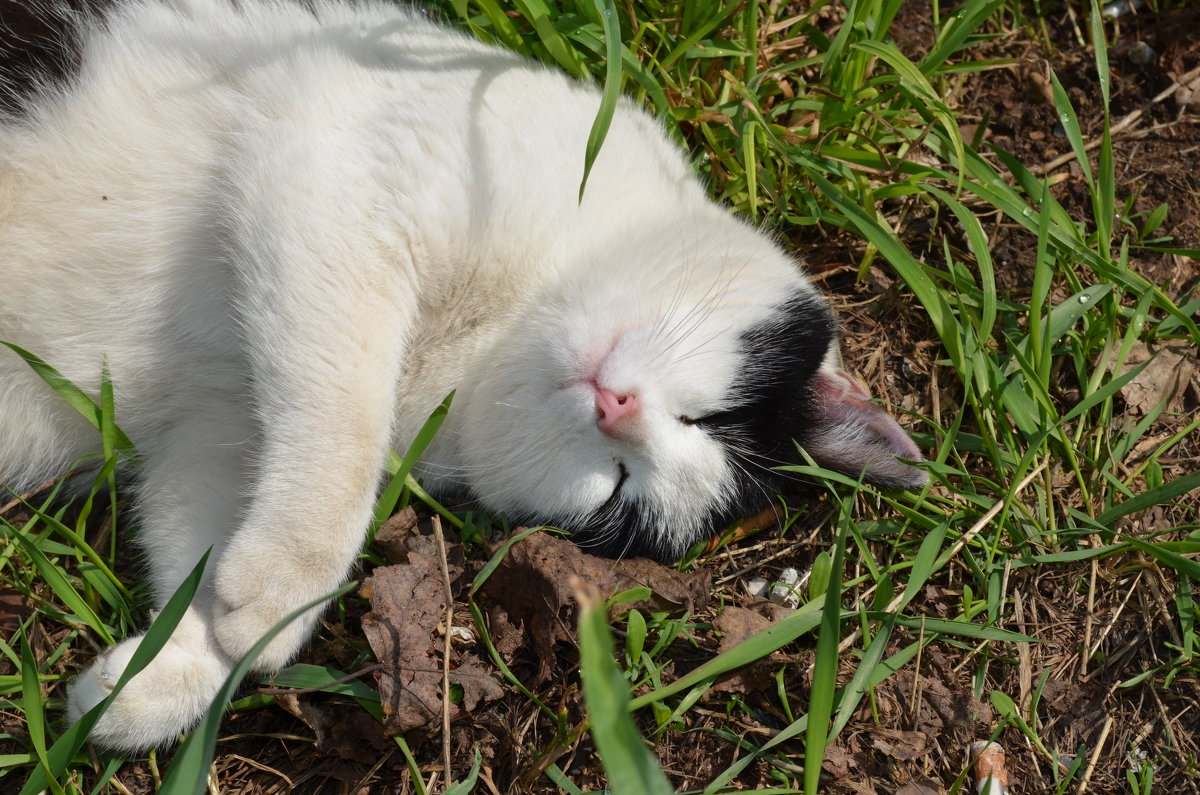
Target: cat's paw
[
  {"x": 248, "y": 606},
  {"x": 166, "y": 698},
  {"x": 239, "y": 628}
]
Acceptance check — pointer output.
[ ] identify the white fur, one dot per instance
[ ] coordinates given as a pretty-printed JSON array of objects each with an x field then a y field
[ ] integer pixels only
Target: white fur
[{"x": 290, "y": 235}]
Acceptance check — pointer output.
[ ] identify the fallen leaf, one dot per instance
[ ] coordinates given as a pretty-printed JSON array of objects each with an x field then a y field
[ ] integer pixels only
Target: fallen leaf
[
  {"x": 533, "y": 585},
  {"x": 13, "y": 607},
  {"x": 838, "y": 761},
  {"x": 393, "y": 536},
  {"x": 408, "y": 602},
  {"x": 902, "y": 745},
  {"x": 736, "y": 624},
  {"x": 1166, "y": 377},
  {"x": 477, "y": 682}
]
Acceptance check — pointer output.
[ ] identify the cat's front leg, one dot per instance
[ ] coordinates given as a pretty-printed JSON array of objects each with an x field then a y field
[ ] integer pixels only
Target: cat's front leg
[
  {"x": 325, "y": 364},
  {"x": 191, "y": 474}
]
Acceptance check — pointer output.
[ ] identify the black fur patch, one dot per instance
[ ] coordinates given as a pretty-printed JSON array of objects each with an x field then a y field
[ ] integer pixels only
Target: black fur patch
[
  {"x": 775, "y": 407},
  {"x": 40, "y": 46}
]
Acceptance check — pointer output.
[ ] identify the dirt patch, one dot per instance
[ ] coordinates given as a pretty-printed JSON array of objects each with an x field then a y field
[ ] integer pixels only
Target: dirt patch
[{"x": 1155, "y": 115}]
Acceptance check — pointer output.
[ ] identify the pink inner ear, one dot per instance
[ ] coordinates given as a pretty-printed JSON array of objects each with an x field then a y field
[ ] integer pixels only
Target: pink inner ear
[
  {"x": 855, "y": 434},
  {"x": 846, "y": 401}
]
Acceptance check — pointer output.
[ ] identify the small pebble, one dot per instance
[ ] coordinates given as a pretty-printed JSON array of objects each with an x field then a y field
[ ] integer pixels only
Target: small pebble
[
  {"x": 1142, "y": 53},
  {"x": 785, "y": 592},
  {"x": 459, "y": 636},
  {"x": 1118, "y": 8}
]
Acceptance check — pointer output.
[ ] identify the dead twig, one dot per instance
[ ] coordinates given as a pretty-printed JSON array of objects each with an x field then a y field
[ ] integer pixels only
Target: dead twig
[
  {"x": 1091, "y": 767},
  {"x": 441, "y": 545}
]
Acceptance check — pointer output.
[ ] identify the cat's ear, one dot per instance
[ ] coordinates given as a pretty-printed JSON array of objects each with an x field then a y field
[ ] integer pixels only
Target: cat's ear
[{"x": 854, "y": 434}]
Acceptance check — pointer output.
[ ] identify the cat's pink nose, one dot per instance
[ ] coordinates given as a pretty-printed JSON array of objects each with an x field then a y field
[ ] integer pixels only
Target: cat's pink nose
[{"x": 611, "y": 408}]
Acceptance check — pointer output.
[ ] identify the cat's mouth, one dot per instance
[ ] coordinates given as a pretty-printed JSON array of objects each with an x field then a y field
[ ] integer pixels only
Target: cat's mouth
[{"x": 615, "y": 497}]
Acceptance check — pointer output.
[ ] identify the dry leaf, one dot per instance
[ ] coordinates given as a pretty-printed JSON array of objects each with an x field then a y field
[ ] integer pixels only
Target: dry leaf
[
  {"x": 1167, "y": 376},
  {"x": 408, "y": 603},
  {"x": 533, "y": 586},
  {"x": 736, "y": 624}
]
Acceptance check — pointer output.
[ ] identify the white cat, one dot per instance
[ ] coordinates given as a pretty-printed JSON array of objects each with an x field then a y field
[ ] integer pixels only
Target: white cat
[{"x": 291, "y": 230}]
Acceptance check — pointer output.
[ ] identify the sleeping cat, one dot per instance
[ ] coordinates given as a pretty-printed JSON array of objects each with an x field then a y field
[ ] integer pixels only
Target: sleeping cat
[{"x": 290, "y": 230}]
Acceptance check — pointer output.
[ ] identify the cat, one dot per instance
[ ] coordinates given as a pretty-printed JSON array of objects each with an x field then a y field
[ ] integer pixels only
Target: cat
[{"x": 290, "y": 230}]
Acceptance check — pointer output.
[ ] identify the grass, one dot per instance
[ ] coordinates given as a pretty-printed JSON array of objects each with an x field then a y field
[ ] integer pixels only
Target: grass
[{"x": 818, "y": 122}]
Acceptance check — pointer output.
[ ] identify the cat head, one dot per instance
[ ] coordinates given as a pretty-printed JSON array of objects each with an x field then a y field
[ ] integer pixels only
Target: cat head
[{"x": 644, "y": 401}]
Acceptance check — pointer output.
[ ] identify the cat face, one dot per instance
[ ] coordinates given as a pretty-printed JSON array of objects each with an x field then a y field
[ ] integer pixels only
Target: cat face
[{"x": 643, "y": 408}]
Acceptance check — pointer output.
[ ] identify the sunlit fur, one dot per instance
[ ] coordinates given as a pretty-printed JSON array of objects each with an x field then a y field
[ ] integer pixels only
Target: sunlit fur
[{"x": 291, "y": 231}]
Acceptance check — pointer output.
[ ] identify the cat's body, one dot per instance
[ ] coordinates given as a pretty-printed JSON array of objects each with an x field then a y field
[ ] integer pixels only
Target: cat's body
[{"x": 291, "y": 232}]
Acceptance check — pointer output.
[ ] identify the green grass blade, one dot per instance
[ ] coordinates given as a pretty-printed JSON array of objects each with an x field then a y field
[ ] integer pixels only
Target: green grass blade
[
  {"x": 503, "y": 27},
  {"x": 555, "y": 774},
  {"x": 57, "y": 580},
  {"x": 498, "y": 557},
  {"x": 67, "y": 746},
  {"x": 955, "y": 32},
  {"x": 189, "y": 768},
  {"x": 109, "y": 443},
  {"x": 414, "y": 769},
  {"x": 825, "y": 666},
  {"x": 79, "y": 544},
  {"x": 1162, "y": 494},
  {"x": 541, "y": 15},
  {"x": 756, "y": 647},
  {"x": 497, "y": 660},
  {"x": 751, "y": 164},
  {"x": 906, "y": 265},
  {"x": 414, "y": 487},
  {"x": 1038, "y": 351},
  {"x": 875, "y": 675},
  {"x": 328, "y": 679},
  {"x": 684, "y": 45},
  {"x": 1105, "y": 392},
  {"x": 31, "y": 703},
  {"x": 1070, "y": 124},
  {"x": 981, "y": 248},
  {"x": 851, "y": 695},
  {"x": 467, "y": 785},
  {"x": 915, "y": 81},
  {"x": 111, "y": 766},
  {"x": 76, "y": 399},
  {"x": 628, "y": 763},
  {"x": 924, "y": 563},
  {"x": 400, "y": 470},
  {"x": 612, "y": 87},
  {"x": 1185, "y": 566},
  {"x": 964, "y": 629},
  {"x": 1100, "y": 48}
]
